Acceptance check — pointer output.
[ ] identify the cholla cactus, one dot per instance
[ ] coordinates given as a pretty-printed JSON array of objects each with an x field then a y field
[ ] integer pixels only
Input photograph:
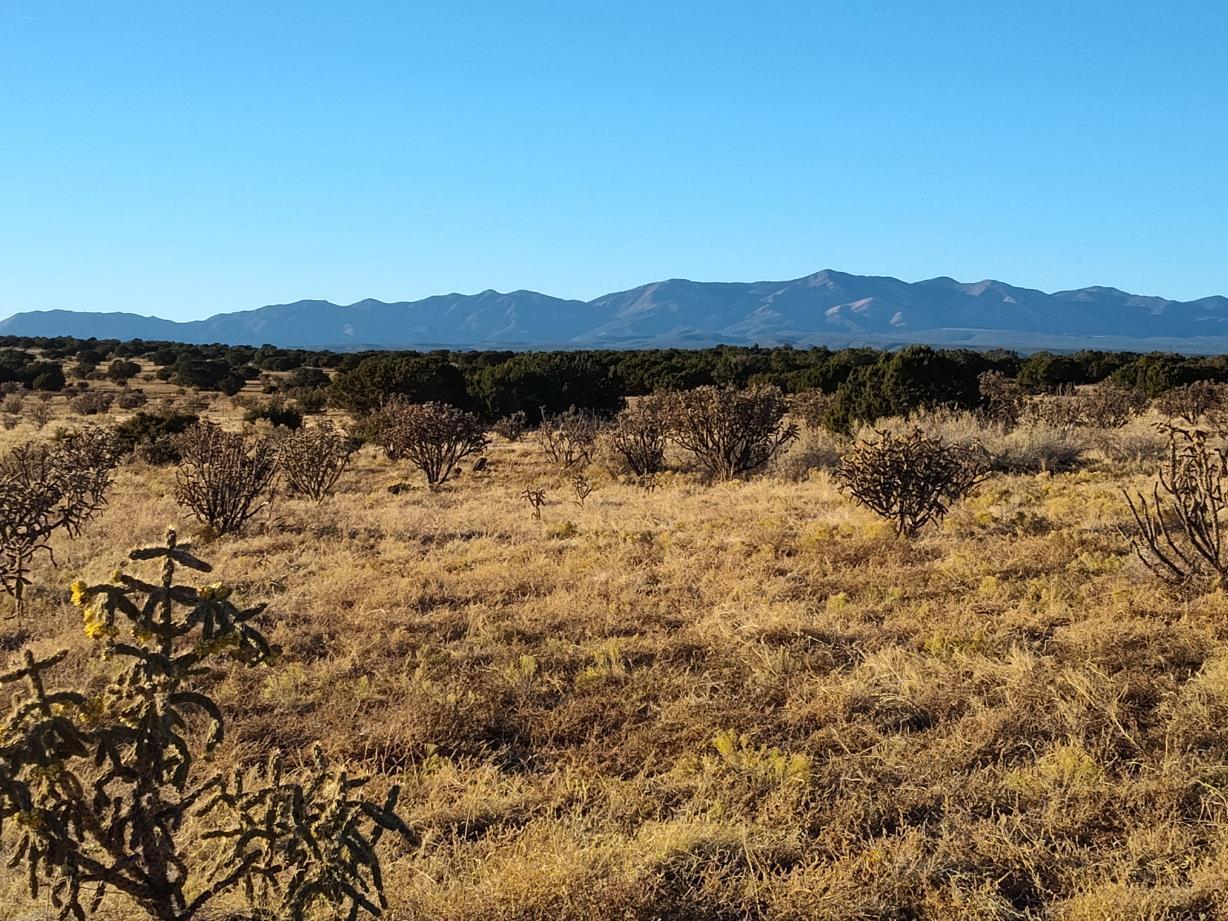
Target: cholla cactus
[
  {"x": 731, "y": 432},
  {"x": 100, "y": 787},
  {"x": 225, "y": 479},
  {"x": 536, "y": 497},
  {"x": 313, "y": 459},
  {"x": 46, "y": 488},
  {"x": 434, "y": 437},
  {"x": 910, "y": 478},
  {"x": 569, "y": 439},
  {"x": 304, "y": 842}
]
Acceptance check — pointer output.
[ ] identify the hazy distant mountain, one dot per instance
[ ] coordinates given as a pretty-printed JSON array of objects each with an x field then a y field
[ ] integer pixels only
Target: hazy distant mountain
[{"x": 829, "y": 307}]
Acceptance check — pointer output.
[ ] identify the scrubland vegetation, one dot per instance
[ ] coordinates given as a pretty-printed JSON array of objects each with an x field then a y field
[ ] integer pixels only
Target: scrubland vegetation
[{"x": 757, "y": 650}]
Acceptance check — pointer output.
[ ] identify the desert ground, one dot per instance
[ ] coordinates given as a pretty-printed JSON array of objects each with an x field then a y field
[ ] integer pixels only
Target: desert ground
[{"x": 741, "y": 700}]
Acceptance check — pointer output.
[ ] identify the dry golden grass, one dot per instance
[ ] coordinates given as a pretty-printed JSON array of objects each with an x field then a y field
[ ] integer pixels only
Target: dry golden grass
[{"x": 732, "y": 701}]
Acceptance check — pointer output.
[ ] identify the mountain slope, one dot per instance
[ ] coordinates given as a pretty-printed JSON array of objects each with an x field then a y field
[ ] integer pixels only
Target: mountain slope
[{"x": 828, "y": 307}]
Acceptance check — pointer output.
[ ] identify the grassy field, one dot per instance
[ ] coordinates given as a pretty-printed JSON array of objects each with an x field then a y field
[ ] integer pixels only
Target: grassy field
[{"x": 724, "y": 701}]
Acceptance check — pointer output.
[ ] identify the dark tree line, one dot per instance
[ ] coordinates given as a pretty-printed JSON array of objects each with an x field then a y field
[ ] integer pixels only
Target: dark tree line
[{"x": 865, "y": 384}]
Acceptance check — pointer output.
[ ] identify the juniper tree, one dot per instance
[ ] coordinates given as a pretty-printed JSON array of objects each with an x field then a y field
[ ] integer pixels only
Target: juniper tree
[{"x": 103, "y": 793}]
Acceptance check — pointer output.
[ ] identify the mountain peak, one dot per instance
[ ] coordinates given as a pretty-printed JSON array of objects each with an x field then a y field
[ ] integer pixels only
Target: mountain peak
[{"x": 827, "y": 307}]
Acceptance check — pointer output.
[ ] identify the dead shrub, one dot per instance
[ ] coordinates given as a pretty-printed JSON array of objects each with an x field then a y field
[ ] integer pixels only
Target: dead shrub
[
  {"x": 131, "y": 398},
  {"x": 811, "y": 406},
  {"x": 1063, "y": 409},
  {"x": 730, "y": 432},
  {"x": 512, "y": 427},
  {"x": 1110, "y": 406},
  {"x": 434, "y": 437},
  {"x": 313, "y": 459},
  {"x": 92, "y": 403},
  {"x": 569, "y": 438},
  {"x": 40, "y": 414},
  {"x": 910, "y": 479},
  {"x": 1191, "y": 402},
  {"x": 225, "y": 479}
]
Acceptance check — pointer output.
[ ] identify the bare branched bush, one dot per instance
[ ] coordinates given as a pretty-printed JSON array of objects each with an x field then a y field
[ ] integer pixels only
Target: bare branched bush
[
  {"x": 536, "y": 497},
  {"x": 569, "y": 438},
  {"x": 1180, "y": 527},
  {"x": 434, "y": 437},
  {"x": 45, "y": 488},
  {"x": 102, "y": 793},
  {"x": 1192, "y": 402},
  {"x": 583, "y": 487},
  {"x": 313, "y": 459},
  {"x": 1110, "y": 406},
  {"x": 12, "y": 405},
  {"x": 131, "y": 398},
  {"x": 1002, "y": 398},
  {"x": 811, "y": 407},
  {"x": 638, "y": 434},
  {"x": 225, "y": 478},
  {"x": 730, "y": 432},
  {"x": 912, "y": 478},
  {"x": 1063, "y": 409},
  {"x": 512, "y": 427},
  {"x": 40, "y": 415}
]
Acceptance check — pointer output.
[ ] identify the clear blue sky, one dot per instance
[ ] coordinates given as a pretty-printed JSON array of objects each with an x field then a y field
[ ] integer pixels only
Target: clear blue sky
[{"x": 190, "y": 157}]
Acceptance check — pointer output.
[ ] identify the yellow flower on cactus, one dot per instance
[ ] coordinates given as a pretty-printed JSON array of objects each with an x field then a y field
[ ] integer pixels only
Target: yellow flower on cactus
[
  {"x": 96, "y": 626},
  {"x": 215, "y": 592},
  {"x": 78, "y": 592}
]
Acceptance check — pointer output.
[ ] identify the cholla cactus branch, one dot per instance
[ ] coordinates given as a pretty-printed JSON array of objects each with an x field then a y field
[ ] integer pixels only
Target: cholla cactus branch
[
  {"x": 100, "y": 787},
  {"x": 1179, "y": 529}
]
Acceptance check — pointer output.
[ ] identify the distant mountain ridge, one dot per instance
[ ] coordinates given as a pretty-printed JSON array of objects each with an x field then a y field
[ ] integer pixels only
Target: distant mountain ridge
[{"x": 826, "y": 308}]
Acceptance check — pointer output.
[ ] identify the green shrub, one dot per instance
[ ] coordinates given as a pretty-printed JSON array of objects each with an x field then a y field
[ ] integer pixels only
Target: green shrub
[
  {"x": 278, "y": 413},
  {"x": 151, "y": 436}
]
